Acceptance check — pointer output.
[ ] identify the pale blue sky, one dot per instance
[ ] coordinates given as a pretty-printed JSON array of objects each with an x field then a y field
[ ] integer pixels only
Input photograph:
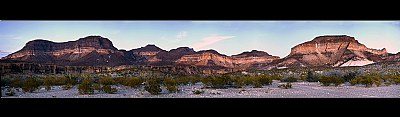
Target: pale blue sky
[{"x": 227, "y": 37}]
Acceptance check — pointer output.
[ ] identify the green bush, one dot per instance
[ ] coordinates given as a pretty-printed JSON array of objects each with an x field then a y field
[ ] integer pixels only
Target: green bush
[
  {"x": 133, "y": 82},
  {"x": 354, "y": 81},
  {"x": 311, "y": 77},
  {"x": 66, "y": 87},
  {"x": 217, "y": 81},
  {"x": 153, "y": 86},
  {"x": 106, "y": 80},
  {"x": 367, "y": 81},
  {"x": 109, "y": 89},
  {"x": 30, "y": 84},
  {"x": 377, "y": 83},
  {"x": 337, "y": 81},
  {"x": 264, "y": 79},
  {"x": 129, "y": 81},
  {"x": 17, "y": 82},
  {"x": 239, "y": 82},
  {"x": 170, "y": 84},
  {"x": 289, "y": 79},
  {"x": 396, "y": 80},
  {"x": 257, "y": 85},
  {"x": 197, "y": 92},
  {"x": 86, "y": 86},
  {"x": 328, "y": 80},
  {"x": 349, "y": 76},
  {"x": 96, "y": 87}
]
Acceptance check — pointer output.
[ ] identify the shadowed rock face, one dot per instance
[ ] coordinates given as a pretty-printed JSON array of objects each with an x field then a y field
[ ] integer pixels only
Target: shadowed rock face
[{"x": 330, "y": 51}]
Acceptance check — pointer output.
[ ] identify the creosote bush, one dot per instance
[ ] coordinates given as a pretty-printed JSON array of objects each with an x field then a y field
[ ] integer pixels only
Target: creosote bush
[
  {"x": 153, "y": 86},
  {"x": 106, "y": 80},
  {"x": 170, "y": 84},
  {"x": 289, "y": 79},
  {"x": 129, "y": 81},
  {"x": 30, "y": 84},
  {"x": 311, "y": 77},
  {"x": 328, "y": 80},
  {"x": 109, "y": 89},
  {"x": 86, "y": 86},
  {"x": 197, "y": 92}
]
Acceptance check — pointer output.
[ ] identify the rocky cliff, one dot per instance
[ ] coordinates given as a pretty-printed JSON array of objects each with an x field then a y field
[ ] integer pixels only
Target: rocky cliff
[
  {"x": 91, "y": 50},
  {"x": 213, "y": 58},
  {"x": 330, "y": 51}
]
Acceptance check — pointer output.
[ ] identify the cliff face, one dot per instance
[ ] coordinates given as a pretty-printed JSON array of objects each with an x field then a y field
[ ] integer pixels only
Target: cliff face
[
  {"x": 331, "y": 51},
  {"x": 91, "y": 50},
  {"x": 241, "y": 61}
]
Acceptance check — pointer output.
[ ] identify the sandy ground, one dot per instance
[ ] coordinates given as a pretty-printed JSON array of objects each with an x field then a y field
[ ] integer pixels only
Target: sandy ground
[{"x": 299, "y": 90}]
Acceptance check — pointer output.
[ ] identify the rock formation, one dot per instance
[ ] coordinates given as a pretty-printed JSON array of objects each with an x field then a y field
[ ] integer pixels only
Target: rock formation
[
  {"x": 331, "y": 51},
  {"x": 328, "y": 51},
  {"x": 91, "y": 50}
]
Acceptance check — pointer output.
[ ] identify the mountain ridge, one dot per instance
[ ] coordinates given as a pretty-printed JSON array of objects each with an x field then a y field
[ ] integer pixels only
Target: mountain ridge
[{"x": 327, "y": 50}]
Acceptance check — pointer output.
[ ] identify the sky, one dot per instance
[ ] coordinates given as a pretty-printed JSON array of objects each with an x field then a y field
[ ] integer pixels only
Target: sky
[{"x": 227, "y": 37}]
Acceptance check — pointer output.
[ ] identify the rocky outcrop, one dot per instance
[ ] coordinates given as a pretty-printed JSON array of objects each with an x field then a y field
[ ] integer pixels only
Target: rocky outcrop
[
  {"x": 330, "y": 51},
  {"x": 213, "y": 58},
  {"x": 91, "y": 50}
]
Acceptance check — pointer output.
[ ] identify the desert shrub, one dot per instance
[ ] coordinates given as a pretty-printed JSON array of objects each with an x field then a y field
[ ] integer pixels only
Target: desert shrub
[
  {"x": 17, "y": 82},
  {"x": 86, "y": 86},
  {"x": 349, "y": 76},
  {"x": 197, "y": 92},
  {"x": 288, "y": 85},
  {"x": 192, "y": 79},
  {"x": 106, "y": 80},
  {"x": 66, "y": 87},
  {"x": 354, "y": 81},
  {"x": 337, "y": 81},
  {"x": 72, "y": 79},
  {"x": 30, "y": 84},
  {"x": 109, "y": 89},
  {"x": 48, "y": 82},
  {"x": 10, "y": 92},
  {"x": 378, "y": 83},
  {"x": 182, "y": 80},
  {"x": 239, "y": 81},
  {"x": 289, "y": 79},
  {"x": 264, "y": 79},
  {"x": 97, "y": 87},
  {"x": 257, "y": 85},
  {"x": 153, "y": 86},
  {"x": 311, "y": 77},
  {"x": 216, "y": 81},
  {"x": 396, "y": 80},
  {"x": 367, "y": 81},
  {"x": 170, "y": 84},
  {"x": 133, "y": 82},
  {"x": 276, "y": 77},
  {"x": 129, "y": 81},
  {"x": 328, "y": 80}
]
